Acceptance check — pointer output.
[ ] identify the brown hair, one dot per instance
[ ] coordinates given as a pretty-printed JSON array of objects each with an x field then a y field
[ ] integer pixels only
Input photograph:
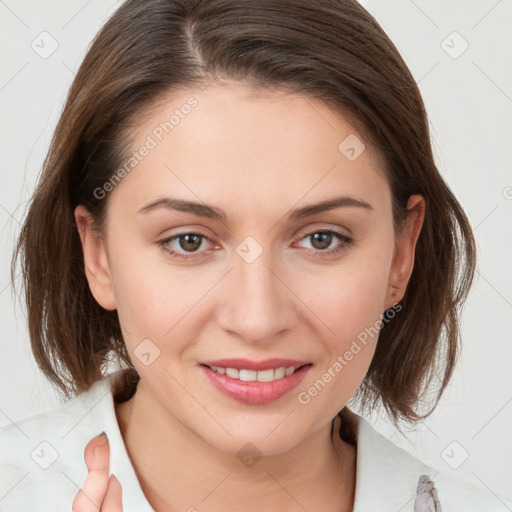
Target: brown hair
[{"x": 331, "y": 50}]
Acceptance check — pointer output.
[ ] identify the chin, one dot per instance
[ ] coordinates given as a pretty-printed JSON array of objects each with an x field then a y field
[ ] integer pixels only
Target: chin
[{"x": 250, "y": 439}]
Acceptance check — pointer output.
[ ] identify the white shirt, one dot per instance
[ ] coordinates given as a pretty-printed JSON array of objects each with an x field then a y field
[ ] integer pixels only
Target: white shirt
[{"x": 42, "y": 465}]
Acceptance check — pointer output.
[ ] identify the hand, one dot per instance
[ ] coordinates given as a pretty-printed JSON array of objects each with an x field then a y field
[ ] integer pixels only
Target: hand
[{"x": 99, "y": 492}]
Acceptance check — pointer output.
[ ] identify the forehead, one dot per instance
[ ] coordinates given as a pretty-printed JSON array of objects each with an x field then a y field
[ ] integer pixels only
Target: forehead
[{"x": 231, "y": 145}]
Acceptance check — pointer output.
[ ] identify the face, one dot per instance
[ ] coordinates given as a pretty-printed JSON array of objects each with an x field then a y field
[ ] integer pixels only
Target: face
[{"x": 241, "y": 275}]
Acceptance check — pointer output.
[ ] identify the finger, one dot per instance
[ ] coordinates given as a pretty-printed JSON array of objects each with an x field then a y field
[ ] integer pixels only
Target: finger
[
  {"x": 113, "y": 501},
  {"x": 97, "y": 458}
]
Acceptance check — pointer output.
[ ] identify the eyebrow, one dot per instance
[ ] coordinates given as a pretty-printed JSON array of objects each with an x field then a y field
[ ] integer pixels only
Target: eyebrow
[{"x": 212, "y": 212}]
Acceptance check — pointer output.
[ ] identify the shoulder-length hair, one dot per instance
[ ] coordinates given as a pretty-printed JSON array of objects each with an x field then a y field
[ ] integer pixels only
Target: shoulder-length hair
[{"x": 330, "y": 50}]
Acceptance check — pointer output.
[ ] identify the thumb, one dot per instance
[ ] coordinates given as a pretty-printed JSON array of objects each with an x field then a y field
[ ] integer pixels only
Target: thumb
[
  {"x": 97, "y": 458},
  {"x": 113, "y": 501}
]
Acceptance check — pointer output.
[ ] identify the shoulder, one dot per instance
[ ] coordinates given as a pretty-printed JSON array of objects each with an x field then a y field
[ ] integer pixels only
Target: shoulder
[
  {"x": 390, "y": 478},
  {"x": 41, "y": 457}
]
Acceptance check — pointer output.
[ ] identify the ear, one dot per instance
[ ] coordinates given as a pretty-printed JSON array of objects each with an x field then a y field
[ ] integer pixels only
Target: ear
[
  {"x": 96, "y": 264},
  {"x": 403, "y": 257}
]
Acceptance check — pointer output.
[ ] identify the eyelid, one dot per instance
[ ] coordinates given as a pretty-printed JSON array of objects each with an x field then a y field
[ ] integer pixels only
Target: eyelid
[
  {"x": 322, "y": 227},
  {"x": 174, "y": 236}
]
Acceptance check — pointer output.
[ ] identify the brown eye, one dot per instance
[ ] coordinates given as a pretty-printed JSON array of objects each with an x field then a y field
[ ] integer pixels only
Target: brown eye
[
  {"x": 190, "y": 242},
  {"x": 322, "y": 239},
  {"x": 179, "y": 245}
]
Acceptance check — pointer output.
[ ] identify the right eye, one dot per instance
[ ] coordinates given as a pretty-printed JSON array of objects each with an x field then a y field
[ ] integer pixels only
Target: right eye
[{"x": 189, "y": 242}]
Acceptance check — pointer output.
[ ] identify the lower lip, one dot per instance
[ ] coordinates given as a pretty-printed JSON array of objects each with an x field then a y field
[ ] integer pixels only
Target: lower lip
[{"x": 255, "y": 392}]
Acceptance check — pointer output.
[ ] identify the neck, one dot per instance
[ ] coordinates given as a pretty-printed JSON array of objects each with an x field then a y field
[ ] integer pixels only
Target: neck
[{"x": 178, "y": 470}]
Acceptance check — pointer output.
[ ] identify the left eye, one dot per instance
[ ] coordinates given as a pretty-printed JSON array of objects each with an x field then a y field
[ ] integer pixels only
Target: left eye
[
  {"x": 323, "y": 238},
  {"x": 192, "y": 242}
]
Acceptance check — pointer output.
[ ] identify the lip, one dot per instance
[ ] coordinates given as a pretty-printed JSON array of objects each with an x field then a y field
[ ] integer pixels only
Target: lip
[
  {"x": 247, "y": 364},
  {"x": 255, "y": 392}
]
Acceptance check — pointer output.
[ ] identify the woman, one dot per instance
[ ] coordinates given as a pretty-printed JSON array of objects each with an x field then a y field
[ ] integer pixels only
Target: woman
[{"x": 241, "y": 203}]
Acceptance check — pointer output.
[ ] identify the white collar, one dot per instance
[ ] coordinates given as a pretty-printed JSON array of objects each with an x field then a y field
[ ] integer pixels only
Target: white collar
[{"x": 386, "y": 475}]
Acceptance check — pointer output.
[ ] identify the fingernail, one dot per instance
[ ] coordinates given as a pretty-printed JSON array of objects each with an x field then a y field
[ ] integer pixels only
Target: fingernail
[
  {"x": 101, "y": 442},
  {"x": 103, "y": 439}
]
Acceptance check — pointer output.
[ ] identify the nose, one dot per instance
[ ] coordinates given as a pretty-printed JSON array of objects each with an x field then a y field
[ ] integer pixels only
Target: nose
[{"x": 258, "y": 304}]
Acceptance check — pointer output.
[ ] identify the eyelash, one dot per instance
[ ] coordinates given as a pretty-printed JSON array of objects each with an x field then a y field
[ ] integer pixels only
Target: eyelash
[{"x": 342, "y": 238}]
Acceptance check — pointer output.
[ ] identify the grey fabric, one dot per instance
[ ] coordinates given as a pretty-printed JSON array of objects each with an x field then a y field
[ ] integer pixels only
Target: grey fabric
[{"x": 427, "y": 499}]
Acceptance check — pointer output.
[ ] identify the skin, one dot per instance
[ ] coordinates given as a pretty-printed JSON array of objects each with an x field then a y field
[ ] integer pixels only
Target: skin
[{"x": 256, "y": 157}]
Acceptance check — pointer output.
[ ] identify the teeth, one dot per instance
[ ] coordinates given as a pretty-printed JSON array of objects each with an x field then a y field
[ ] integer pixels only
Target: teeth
[
  {"x": 252, "y": 375},
  {"x": 247, "y": 375},
  {"x": 232, "y": 372},
  {"x": 266, "y": 375},
  {"x": 279, "y": 373}
]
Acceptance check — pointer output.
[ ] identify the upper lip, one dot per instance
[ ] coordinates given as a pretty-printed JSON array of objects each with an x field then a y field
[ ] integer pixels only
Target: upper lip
[{"x": 247, "y": 364}]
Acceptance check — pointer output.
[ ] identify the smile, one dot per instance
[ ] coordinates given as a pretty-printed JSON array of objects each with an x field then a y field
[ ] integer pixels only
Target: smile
[
  {"x": 255, "y": 387},
  {"x": 252, "y": 375}
]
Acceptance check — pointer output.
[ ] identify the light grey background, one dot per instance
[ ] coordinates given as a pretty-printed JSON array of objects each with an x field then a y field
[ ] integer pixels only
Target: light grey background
[{"x": 468, "y": 95}]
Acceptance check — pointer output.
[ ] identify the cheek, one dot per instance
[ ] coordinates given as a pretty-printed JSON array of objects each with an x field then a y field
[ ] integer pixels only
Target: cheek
[
  {"x": 138, "y": 290},
  {"x": 157, "y": 302},
  {"x": 346, "y": 305},
  {"x": 349, "y": 297},
  {"x": 350, "y": 311}
]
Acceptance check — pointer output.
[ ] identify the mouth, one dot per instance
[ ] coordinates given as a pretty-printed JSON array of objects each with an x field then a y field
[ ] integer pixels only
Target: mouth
[
  {"x": 246, "y": 375},
  {"x": 253, "y": 386}
]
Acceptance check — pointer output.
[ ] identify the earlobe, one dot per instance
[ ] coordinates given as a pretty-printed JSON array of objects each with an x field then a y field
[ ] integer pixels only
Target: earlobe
[
  {"x": 96, "y": 265},
  {"x": 403, "y": 258}
]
